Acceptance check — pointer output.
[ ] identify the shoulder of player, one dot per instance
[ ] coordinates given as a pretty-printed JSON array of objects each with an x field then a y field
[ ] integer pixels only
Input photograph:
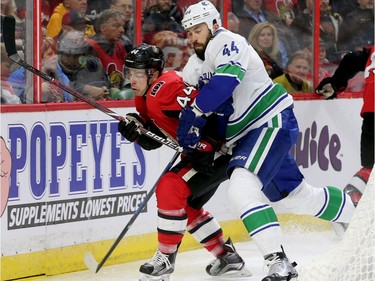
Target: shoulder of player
[
  {"x": 171, "y": 76},
  {"x": 224, "y": 39},
  {"x": 167, "y": 81}
]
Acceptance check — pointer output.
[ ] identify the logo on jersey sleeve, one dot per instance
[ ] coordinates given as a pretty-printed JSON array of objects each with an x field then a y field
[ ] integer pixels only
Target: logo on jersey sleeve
[{"x": 156, "y": 88}]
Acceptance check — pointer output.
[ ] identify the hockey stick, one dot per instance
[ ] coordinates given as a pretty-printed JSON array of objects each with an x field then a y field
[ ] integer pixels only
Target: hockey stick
[
  {"x": 10, "y": 45},
  {"x": 89, "y": 258}
]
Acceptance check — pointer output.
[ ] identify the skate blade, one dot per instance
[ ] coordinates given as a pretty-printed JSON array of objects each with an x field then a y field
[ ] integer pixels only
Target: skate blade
[
  {"x": 288, "y": 278},
  {"x": 145, "y": 277},
  {"x": 339, "y": 229},
  {"x": 235, "y": 274}
]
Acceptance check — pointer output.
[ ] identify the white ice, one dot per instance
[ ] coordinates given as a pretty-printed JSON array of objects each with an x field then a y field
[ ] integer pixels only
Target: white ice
[{"x": 301, "y": 247}]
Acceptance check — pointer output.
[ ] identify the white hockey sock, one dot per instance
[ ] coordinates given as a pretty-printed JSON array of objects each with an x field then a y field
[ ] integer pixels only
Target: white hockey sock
[
  {"x": 244, "y": 192},
  {"x": 328, "y": 203}
]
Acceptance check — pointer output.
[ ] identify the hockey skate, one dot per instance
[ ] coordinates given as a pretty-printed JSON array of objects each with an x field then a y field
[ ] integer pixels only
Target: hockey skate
[
  {"x": 280, "y": 268},
  {"x": 229, "y": 263},
  {"x": 354, "y": 193},
  {"x": 159, "y": 268}
]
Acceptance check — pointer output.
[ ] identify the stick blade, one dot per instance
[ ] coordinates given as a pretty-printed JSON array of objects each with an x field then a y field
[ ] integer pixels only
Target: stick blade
[
  {"x": 9, "y": 26},
  {"x": 90, "y": 262}
]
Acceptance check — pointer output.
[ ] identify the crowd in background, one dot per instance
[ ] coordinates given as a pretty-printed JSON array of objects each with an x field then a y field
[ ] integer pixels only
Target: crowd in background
[{"x": 85, "y": 41}]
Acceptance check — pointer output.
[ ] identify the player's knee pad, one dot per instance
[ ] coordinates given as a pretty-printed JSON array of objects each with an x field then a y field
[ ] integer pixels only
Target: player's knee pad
[
  {"x": 172, "y": 192},
  {"x": 244, "y": 189}
]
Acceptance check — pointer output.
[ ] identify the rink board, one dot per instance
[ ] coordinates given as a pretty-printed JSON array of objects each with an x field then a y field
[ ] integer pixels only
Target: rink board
[{"x": 75, "y": 183}]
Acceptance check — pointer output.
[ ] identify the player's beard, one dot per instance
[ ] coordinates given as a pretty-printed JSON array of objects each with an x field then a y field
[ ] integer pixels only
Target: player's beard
[{"x": 200, "y": 48}]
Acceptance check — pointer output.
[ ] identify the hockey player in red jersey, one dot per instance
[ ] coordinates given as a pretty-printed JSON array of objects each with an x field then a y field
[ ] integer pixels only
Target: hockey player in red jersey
[
  {"x": 182, "y": 192},
  {"x": 350, "y": 65}
]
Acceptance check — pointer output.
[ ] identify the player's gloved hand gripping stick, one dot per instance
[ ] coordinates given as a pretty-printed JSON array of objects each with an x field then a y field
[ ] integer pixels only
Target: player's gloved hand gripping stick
[{"x": 190, "y": 127}]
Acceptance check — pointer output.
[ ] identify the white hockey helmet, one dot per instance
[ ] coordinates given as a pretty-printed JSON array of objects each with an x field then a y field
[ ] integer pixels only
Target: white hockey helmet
[{"x": 202, "y": 12}]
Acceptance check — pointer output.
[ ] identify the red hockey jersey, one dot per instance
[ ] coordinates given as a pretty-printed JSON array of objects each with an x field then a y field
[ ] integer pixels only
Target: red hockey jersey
[
  {"x": 368, "y": 93},
  {"x": 164, "y": 100}
]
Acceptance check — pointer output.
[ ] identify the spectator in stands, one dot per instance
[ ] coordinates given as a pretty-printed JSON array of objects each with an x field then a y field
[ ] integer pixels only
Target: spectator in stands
[
  {"x": 323, "y": 62},
  {"x": 50, "y": 93},
  {"x": 106, "y": 45},
  {"x": 233, "y": 22},
  {"x": 95, "y": 7},
  {"x": 46, "y": 12},
  {"x": 263, "y": 37},
  {"x": 84, "y": 71},
  {"x": 252, "y": 13},
  {"x": 164, "y": 15},
  {"x": 7, "y": 93},
  {"x": 302, "y": 27},
  {"x": 72, "y": 21},
  {"x": 18, "y": 78},
  {"x": 126, "y": 7},
  {"x": 295, "y": 79},
  {"x": 357, "y": 30},
  {"x": 330, "y": 25},
  {"x": 79, "y": 6},
  {"x": 55, "y": 22},
  {"x": 9, "y": 8},
  {"x": 166, "y": 7}
]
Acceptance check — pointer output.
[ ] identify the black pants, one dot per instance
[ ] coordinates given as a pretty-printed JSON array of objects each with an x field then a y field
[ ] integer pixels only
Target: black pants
[{"x": 203, "y": 187}]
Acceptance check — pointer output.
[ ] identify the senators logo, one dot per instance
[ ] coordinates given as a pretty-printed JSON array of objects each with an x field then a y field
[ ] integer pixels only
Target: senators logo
[{"x": 156, "y": 88}]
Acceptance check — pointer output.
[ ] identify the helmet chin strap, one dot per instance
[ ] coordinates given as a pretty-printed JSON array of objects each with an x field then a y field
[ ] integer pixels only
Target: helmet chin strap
[{"x": 149, "y": 77}]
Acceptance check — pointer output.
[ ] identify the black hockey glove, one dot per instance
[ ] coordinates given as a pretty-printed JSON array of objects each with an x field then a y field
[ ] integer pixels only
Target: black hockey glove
[
  {"x": 326, "y": 88},
  {"x": 148, "y": 143},
  {"x": 129, "y": 128},
  {"x": 202, "y": 158}
]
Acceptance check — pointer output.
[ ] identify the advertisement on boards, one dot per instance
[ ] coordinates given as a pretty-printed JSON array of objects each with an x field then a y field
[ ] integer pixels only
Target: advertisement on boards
[{"x": 72, "y": 172}]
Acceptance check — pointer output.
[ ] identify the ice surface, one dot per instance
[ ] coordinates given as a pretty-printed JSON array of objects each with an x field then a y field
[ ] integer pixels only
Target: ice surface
[{"x": 190, "y": 266}]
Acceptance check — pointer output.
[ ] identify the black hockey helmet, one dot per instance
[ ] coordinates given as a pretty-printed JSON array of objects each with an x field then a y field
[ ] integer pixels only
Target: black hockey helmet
[{"x": 146, "y": 57}]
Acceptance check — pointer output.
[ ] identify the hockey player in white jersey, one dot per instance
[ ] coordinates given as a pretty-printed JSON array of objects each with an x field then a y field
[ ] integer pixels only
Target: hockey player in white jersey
[{"x": 263, "y": 175}]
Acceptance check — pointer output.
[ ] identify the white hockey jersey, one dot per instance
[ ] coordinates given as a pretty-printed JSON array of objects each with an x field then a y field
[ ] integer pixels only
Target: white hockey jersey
[{"x": 232, "y": 68}]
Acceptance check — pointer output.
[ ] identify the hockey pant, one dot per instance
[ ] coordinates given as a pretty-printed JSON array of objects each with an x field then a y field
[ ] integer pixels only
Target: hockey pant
[
  {"x": 264, "y": 174},
  {"x": 180, "y": 202}
]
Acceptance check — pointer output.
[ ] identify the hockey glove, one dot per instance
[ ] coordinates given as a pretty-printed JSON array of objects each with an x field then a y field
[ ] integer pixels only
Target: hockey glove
[
  {"x": 203, "y": 157},
  {"x": 147, "y": 143},
  {"x": 326, "y": 89},
  {"x": 190, "y": 127},
  {"x": 226, "y": 108},
  {"x": 130, "y": 128}
]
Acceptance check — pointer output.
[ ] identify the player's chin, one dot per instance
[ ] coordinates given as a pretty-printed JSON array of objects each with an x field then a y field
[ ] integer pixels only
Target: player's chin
[{"x": 138, "y": 92}]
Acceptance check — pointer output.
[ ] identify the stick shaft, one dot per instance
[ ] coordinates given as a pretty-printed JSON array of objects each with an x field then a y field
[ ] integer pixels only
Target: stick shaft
[{"x": 137, "y": 212}]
